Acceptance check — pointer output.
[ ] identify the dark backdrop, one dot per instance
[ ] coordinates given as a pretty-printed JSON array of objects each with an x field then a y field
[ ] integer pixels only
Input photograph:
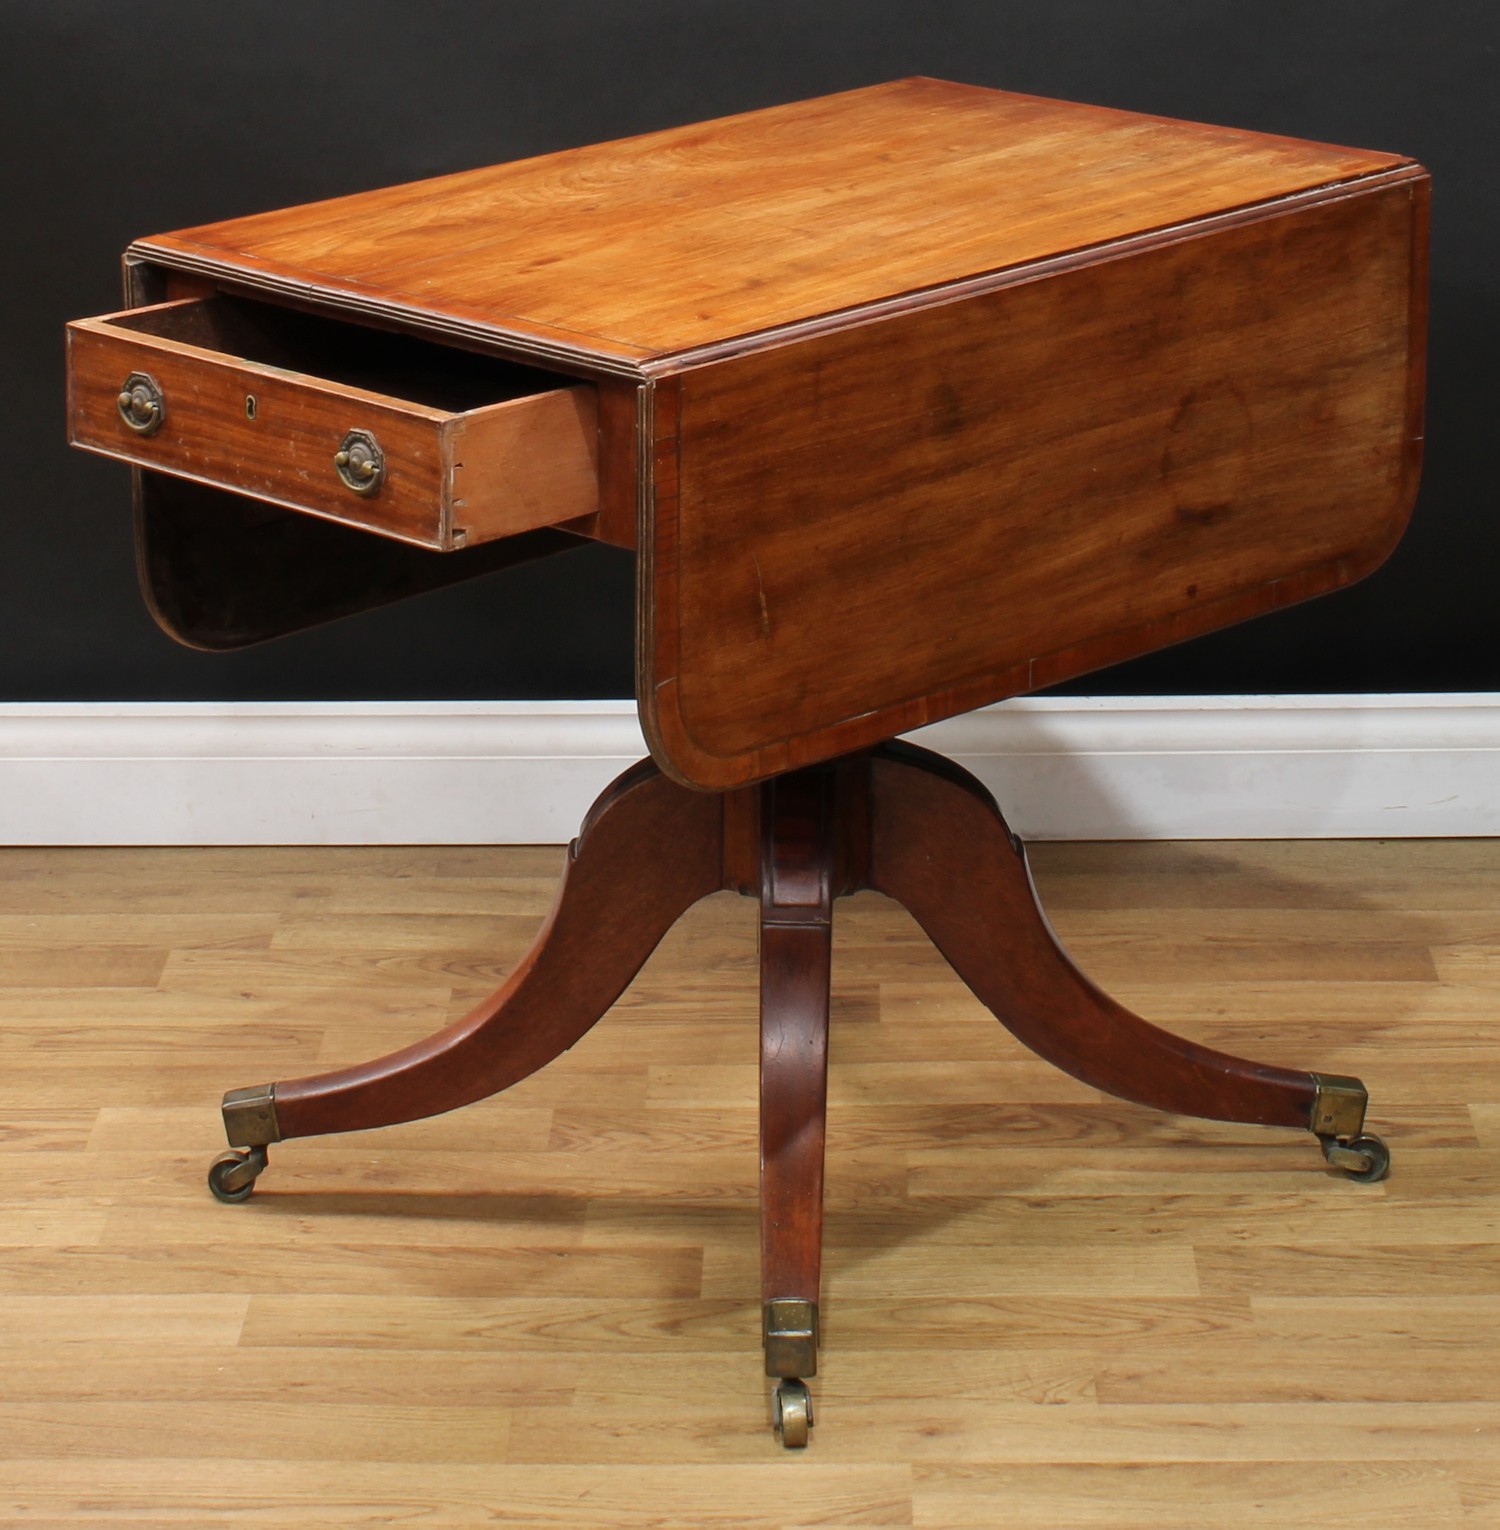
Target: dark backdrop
[{"x": 119, "y": 120}]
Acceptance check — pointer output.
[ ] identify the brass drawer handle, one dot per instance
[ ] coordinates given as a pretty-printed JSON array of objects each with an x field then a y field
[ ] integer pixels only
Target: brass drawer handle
[
  {"x": 360, "y": 462},
  {"x": 141, "y": 404}
]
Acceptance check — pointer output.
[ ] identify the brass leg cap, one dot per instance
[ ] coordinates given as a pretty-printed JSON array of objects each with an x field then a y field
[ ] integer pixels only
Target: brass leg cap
[
  {"x": 250, "y": 1116},
  {"x": 789, "y": 1330},
  {"x": 1339, "y": 1106}
]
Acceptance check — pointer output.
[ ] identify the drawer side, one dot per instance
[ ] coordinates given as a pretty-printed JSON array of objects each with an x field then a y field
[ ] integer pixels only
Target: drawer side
[{"x": 523, "y": 464}]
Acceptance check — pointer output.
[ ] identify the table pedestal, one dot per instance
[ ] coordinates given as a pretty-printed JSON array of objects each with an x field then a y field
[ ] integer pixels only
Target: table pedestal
[{"x": 898, "y": 819}]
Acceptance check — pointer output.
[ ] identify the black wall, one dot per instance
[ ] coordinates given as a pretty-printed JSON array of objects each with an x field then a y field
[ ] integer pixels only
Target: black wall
[{"x": 120, "y": 120}]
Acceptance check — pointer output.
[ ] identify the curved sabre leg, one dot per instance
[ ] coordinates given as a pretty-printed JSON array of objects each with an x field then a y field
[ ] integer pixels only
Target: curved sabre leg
[
  {"x": 940, "y": 847},
  {"x": 796, "y": 930},
  {"x": 648, "y": 851}
]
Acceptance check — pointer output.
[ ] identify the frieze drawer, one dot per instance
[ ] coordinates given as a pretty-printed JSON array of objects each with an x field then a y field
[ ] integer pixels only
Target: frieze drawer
[{"x": 437, "y": 446}]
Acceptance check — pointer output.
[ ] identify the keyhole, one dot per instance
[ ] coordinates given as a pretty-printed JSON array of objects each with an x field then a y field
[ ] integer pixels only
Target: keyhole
[{"x": 249, "y": 406}]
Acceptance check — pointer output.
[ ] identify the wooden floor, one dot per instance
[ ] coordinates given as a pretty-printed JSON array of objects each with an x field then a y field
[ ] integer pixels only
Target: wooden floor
[{"x": 1041, "y": 1307}]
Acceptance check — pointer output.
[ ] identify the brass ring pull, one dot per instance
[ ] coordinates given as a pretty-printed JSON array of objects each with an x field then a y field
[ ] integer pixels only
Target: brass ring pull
[
  {"x": 360, "y": 462},
  {"x": 141, "y": 404}
]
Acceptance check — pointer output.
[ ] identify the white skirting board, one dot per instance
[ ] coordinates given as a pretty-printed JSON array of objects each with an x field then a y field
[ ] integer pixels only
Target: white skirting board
[{"x": 1139, "y": 767}]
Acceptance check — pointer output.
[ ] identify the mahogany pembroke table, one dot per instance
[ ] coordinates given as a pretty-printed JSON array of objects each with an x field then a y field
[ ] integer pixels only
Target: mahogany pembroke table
[{"x": 907, "y": 400}]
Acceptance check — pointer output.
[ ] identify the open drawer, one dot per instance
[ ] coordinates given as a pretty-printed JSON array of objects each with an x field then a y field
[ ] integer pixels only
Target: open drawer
[{"x": 440, "y": 447}]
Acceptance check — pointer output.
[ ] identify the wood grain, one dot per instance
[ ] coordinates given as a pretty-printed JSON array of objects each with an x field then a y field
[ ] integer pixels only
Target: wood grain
[
  {"x": 613, "y": 905},
  {"x": 940, "y": 848},
  {"x": 915, "y": 396},
  {"x": 251, "y": 423},
  {"x": 880, "y": 527},
  {"x": 1123, "y": 1320},
  {"x": 798, "y": 817},
  {"x": 650, "y": 246}
]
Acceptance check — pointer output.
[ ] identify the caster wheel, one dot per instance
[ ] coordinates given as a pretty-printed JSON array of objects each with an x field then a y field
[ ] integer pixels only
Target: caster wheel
[
  {"x": 232, "y": 1175},
  {"x": 1365, "y": 1158},
  {"x": 791, "y": 1404}
]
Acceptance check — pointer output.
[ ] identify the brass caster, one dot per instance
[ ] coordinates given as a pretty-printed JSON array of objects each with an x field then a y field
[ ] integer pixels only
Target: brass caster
[
  {"x": 791, "y": 1405},
  {"x": 1365, "y": 1157},
  {"x": 232, "y": 1175}
]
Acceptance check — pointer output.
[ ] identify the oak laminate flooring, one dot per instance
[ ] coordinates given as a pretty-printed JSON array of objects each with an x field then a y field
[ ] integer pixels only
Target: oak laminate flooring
[
  {"x": 1042, "y": 1307},
  {"x": 1187, "y": 1495}
]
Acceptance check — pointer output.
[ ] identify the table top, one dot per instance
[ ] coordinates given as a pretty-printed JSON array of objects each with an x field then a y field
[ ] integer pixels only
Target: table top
[
  {"x": 630, "y": 252},
  {"x": 914, "y": 397}
]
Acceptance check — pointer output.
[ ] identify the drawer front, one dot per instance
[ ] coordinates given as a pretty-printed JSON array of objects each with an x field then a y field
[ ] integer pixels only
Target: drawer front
[{"x": 443, "y": 478}]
